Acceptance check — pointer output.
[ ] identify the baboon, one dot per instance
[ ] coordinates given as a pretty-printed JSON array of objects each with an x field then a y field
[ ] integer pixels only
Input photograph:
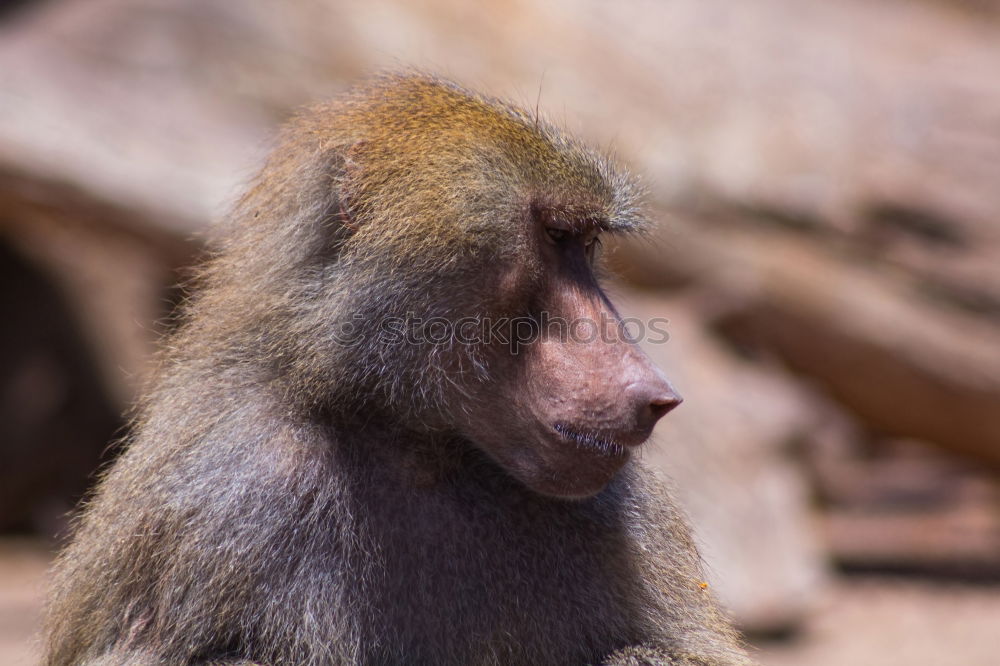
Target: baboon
[{"x": 319, "y": 476}]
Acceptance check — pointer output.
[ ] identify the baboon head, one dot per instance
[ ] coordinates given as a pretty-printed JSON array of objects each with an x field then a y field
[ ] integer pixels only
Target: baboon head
[{"x": 455, "y": 285}]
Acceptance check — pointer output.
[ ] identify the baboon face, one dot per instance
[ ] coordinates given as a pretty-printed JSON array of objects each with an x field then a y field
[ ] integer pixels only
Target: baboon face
[{"x": 571, "y": 395}]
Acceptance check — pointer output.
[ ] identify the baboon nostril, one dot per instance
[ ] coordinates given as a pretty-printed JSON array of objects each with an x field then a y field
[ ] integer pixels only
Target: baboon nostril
[{"x": 660, "y": 405}]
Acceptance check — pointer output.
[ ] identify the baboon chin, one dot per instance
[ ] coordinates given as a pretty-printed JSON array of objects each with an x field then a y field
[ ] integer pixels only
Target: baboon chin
[{"x": 395, "y": 372}]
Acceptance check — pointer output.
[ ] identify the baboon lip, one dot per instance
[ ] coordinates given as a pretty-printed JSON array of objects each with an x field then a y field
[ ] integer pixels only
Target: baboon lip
[{"x": 591, "y": 442}]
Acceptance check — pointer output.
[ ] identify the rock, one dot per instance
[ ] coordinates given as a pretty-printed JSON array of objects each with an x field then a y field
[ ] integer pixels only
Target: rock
[
  {"x": 899, "y": 363},
  {"x": 903, "y": 507}
]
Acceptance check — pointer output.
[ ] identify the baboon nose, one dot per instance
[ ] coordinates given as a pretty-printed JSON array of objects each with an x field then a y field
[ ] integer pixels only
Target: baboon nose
[
  {"x": 660, "y": 405},
  {"x": 655, "y": 404}
]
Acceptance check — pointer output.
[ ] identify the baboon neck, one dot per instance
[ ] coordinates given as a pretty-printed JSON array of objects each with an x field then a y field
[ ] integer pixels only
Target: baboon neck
[{"x": 416, "y": 455}]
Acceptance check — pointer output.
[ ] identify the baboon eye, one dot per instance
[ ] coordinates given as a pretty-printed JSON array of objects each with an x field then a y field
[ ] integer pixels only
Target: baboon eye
[{"x": 557, "y": 235}]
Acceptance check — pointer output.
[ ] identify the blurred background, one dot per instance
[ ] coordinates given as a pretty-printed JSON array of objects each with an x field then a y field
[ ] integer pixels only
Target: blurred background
[{"x": 826, "y": 177}]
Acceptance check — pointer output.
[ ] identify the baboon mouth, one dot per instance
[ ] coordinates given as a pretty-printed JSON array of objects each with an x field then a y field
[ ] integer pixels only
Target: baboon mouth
[{"x": 591, "y": 442}]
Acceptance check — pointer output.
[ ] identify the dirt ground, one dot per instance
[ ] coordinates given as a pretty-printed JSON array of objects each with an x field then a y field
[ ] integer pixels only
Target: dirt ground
[
  {"x": 864, "y": 621},
  {"x": 896, "y": 622}
]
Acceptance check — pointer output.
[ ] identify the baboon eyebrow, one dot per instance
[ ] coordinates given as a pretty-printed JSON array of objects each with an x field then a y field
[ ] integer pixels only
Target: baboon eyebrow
[{"x": 571, "y": 219}]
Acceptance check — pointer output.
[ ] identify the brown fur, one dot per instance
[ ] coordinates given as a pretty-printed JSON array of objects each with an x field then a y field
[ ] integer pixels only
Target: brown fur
[{"x": 287, "y": 499}]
